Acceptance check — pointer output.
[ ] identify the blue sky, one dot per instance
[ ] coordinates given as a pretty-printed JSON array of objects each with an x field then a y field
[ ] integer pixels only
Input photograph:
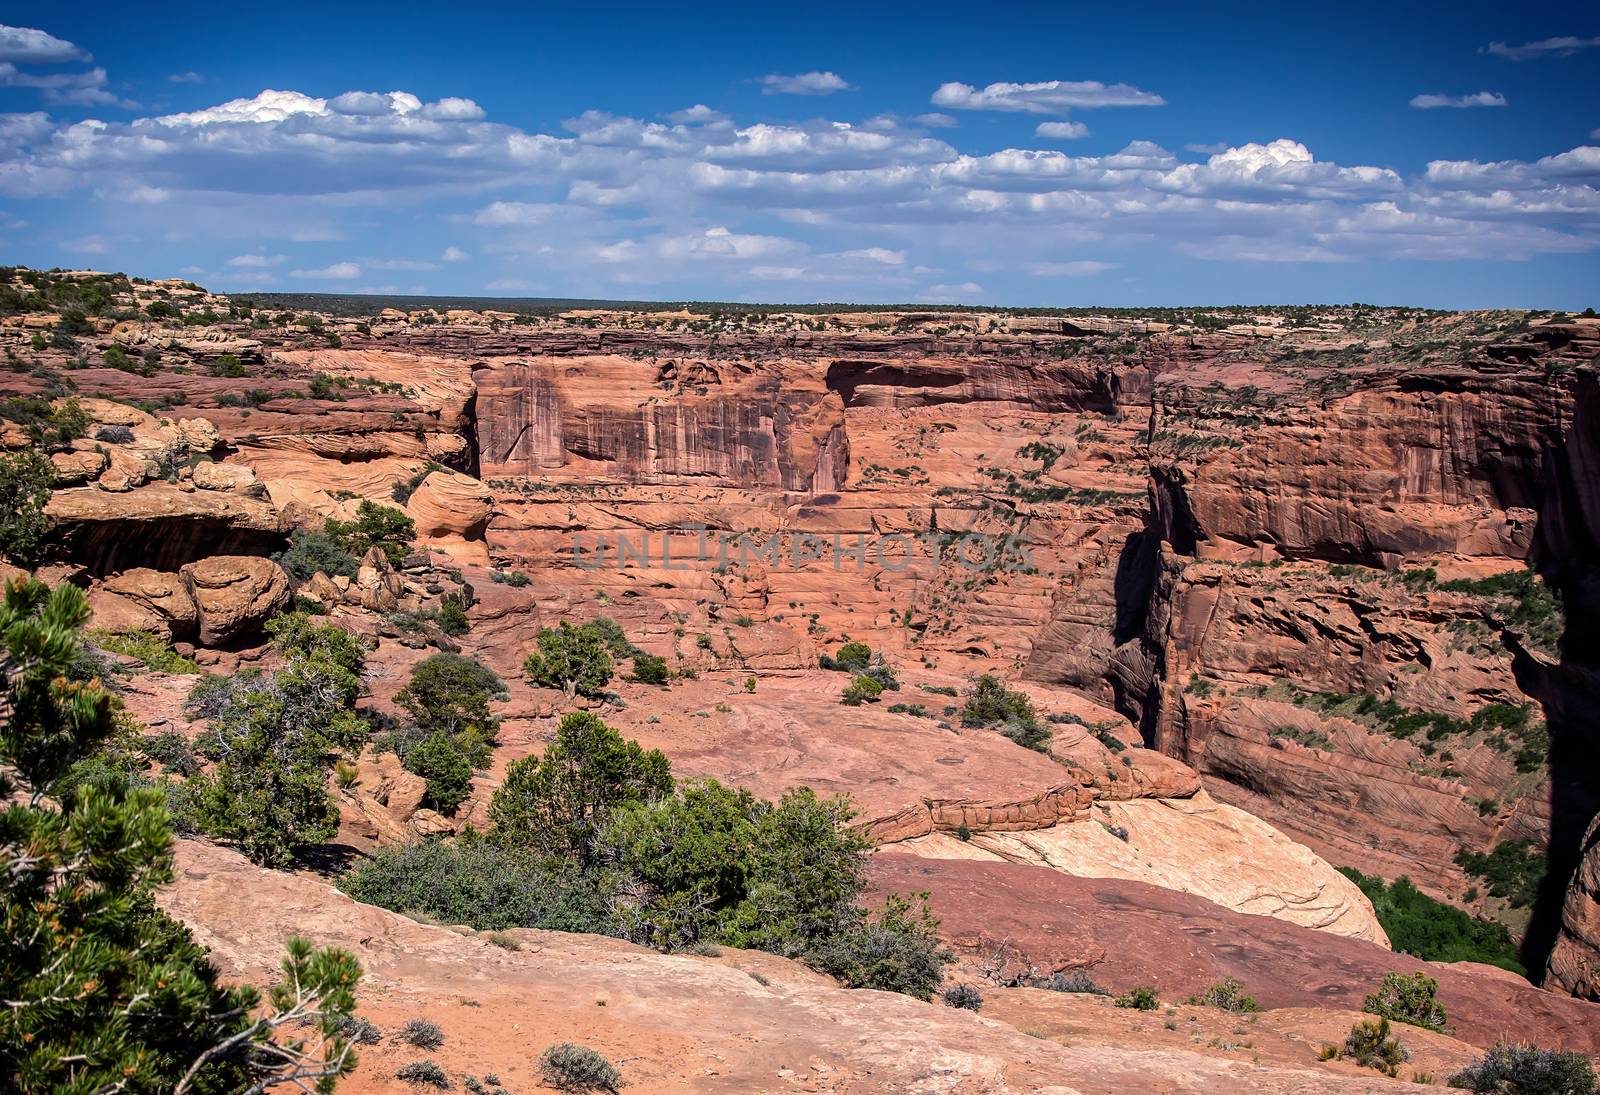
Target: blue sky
[{"x": 1052, "y": 155}]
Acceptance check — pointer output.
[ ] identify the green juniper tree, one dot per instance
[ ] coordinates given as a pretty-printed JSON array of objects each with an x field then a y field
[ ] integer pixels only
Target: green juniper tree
[{"x": 103, "y": 991}]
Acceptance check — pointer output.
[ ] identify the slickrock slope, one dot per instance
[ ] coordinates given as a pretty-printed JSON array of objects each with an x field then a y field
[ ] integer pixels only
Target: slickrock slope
[
  {"x": 742, "y": 1022},
  {"x": 1194, "y": 846},
  {"x": 1015, "y": 919}
]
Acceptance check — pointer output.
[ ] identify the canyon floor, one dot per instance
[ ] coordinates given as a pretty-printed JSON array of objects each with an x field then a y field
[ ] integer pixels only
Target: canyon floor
[{"x": 1294, "y": 590}]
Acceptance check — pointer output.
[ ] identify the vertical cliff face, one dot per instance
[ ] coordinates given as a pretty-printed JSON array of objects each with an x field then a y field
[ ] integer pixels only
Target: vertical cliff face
[
  {"x": 622, "y": 420},
  {"x": 1338, "y": 630}
]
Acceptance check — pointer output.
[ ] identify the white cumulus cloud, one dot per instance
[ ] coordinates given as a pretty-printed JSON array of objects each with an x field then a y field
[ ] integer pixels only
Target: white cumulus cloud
[
  {"x": 1564, "y": 46},
  {"x": 804, "y": 83},
  {"x": 1045, "y": 97},
  {"x": 339, "y": 271},
  {"x": 1479, "y": 98},
  {"x": 1061, "y": 131},
  {"x": 26, "y": 45}
]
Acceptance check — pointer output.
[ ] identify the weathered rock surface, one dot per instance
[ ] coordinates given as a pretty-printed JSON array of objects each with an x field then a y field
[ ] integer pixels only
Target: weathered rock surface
[
  {"x": 1016, "y": 917},
  {"x": 740, "y": 1022},
  {"x": 1193, "y": 846},
  {"x": 234, "y": 594}
]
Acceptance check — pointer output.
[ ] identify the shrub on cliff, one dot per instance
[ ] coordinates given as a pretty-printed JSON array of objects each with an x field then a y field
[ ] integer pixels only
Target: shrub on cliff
[
  {"x": 311, "y": 551},
  {"x": 1227, "y": 994},
  {"x": 989, "y": 703},
  {"x": 573, "y": 659},
  {"x": 105, "y": 991},
  {"x": 1510, "y": 1069},
  {"x": 896, "y": 951},
  {"x": 26, "y": 479},
  {"x": 650, "y": 669},
  {"x": 438, "y": 759},
  {"x": 1408, "y": 998},
  {"x": 1370, "y": 1045},
  {"x": 851, "y": 658},
  {"x": 861, "y": 690},
  {"x": 450, "y": 693},
  {"x": 375, "y": 526}
]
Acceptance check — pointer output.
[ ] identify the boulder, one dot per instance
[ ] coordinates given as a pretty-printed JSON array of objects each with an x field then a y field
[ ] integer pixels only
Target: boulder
[
  {"x": 235, "y": 594},
  {"x": 76, "y": 468},
  {"x": 164, "y": 595},
  {"x": 209, "y": 475}
]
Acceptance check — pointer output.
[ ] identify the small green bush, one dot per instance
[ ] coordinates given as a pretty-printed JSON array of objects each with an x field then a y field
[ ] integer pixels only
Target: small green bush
[
  {"x": 897, "y": 952},
  {"x": 1370, "y": 1045},
  {"x": 422, "y": 1033},
  {"x": 375, "y": 526},
  {"x": 1139, "y": 998},
  {"x": 423, "y": 1074},
  {"x": 1511, "y": 1069},
  {"x": 963, "y": 996},
  {"x": 1073, "y": 981},
  {"x": 566, "y": 1066},
  {"x": 861, "y": 690},
  {"x": 1227, "y": 994},
  {"x": 1408, "y": 998},
  {"x": 650, "y": 669},
  {"x": 576, "y": 660},
  {"x": 439, "y": 761},
  {"x": 851, "y": 658},
  {"x": 26, "y": 480},
  {"x": 150, "y": 650},
  {"x": 311, "y": 552}
]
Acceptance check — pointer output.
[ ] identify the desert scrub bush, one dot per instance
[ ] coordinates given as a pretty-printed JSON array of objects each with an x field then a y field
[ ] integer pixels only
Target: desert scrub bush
[
  {"x": 576, "y": 660},
  {"x": 1370, "y": 1045},
  {"x": 513, "y": 578},
  {"x": 614, "y": 637},
  {"x": 449, "y": 694},
  {"x": 939, "y": 689},
  {"x": 1227, "y": 994},
  {"x": 1512, "y": 1069},
  {"x": 1139, "y": 998},
  {"x": 274, "y": 739},
  {"x": 557, "y": 804},
  {"x": 359, "y": 1031},
  {"x": 1073, "y": 981},
  {"x": 963, "y": 996},
  {"x": 423, "y": 1074},
  {"x": 861, "y": 690},
  {"x": 897, "y": 952},
  {"x": 1408, "y": 998},
  {"x": 422, "y": 1033},
  {"x": 152, "y": 651},
  {"x": 567, "y": 1066},
  {"x": 990, "y": 704},
  {"x": 1431, "y": 930},
  {"x": 452, "y": 616},
  {"x": 446, "y": 772},
  {"x": 375, "y": 526},
  {"x": 172, "y": 751},
  {"x": 310, "y": 552},
  {"x": 650, "y": 669},
  {"x": 481, "y": 884},
  {"x": 114, "y": 435},
  {"x": 850, "y": 658}
]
